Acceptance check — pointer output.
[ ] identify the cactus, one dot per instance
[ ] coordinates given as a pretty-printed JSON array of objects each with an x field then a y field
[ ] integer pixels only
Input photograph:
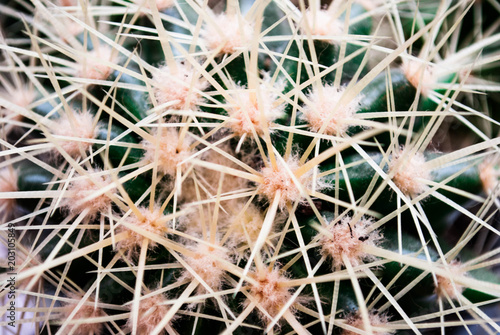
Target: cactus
[{"x": 181, "y": 167}]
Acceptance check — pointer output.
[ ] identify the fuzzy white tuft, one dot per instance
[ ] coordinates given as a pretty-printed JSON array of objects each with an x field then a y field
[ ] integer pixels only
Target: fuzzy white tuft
[
  {"x": 93, "y": 67},
  {"x": 489, "y": 174},
  {"x": 413, "y": 72},
  {"x": 151, "y": 313},
  {"x": 347, "y": 238},
  {"x": 324, "y": 108},
  {"x": 160, "y": 4},
  {"x": 446, "y": 286},
  {"x": 408, "y": 172},
  {"x": 8, "y": 183},
  {"x": 378, "y": 321},
  {"x": 246, "y": 115},
  {"x": 206, "y": 262},
  {"x": 321, "y": 23},
  {"x": 234, "y": 33},
  {"x": 77, "y": 125},
  {"x": 270, "y": 292},
  {"x": 151, "y": 221},
  {"x": 67, "y": 3},
  {"x": 86, "y": 311},
  {"x": 245, "y": 225},
  {"x": 20, "y": 97},
  {"x": 171, "y": 151},
  {"x": 279, "y": 178},
  {"x": 82, "y": 188},
  {"x": 183, "y": 85}
]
